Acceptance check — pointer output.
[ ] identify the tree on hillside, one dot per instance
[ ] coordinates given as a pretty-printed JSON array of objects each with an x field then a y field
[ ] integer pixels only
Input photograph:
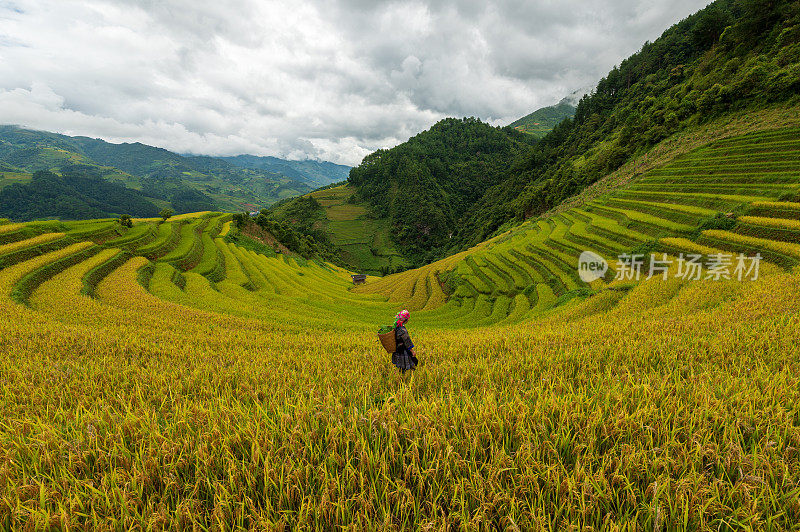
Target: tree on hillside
[
  {"x": 709, "y": 27},
  {"x": 74, "y": 196},
  {"x": 467, "y": 178},
  {"x": 426, "y": 184},
  {"x": 729, "y": 56},
  {"x": 166, "y": 214}
]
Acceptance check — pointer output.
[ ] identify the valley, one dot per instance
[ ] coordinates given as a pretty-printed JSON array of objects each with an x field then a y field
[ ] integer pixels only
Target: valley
[
  {"x": 150, "y": 178},
  {"x": 605, "y": 312},
  {"x": 167, "y": 332}
]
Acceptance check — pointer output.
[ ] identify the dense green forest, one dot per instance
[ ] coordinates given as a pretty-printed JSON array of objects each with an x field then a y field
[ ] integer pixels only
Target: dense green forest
[
  {"x": 732, "y": 55},
  {"x": 185, "y": 183},
  {"x": 73, "y": 196},
  {"x": 429, "y": 183}
]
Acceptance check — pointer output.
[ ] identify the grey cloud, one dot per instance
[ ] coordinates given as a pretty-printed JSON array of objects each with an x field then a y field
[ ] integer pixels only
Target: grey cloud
[
  {"x": 331, "y": 79},
  {"x": 200, "y": 23}
]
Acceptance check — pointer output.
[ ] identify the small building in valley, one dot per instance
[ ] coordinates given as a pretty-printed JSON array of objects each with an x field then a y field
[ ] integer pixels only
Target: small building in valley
[{"x": 359, "y": 278}]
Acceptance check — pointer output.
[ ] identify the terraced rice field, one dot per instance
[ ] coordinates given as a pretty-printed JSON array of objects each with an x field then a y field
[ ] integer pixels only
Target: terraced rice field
[
  {"x": 162, "y": 377},
  {"x": 751, "y": 178},
  {"x": 363, "y": 240},
  {"x": 11, "y": 178}
]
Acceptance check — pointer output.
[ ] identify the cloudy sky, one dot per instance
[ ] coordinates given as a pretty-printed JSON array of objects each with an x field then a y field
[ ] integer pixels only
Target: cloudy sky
[{"x": 327, "y": 79}]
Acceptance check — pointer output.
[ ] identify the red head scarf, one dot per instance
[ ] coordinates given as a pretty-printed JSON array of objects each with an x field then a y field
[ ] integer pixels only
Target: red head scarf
[{"x": 402, "y": 317}]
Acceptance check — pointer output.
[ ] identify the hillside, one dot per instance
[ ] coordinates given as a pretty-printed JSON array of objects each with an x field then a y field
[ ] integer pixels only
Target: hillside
[
  {"x": 425, "y": 185},
  {"x": 155, "y": 175},
  {"x": 721, "y": 191},
  {"x": 586, "y": 401},
  {"x": 361, "y": 240},
  {"x": 73, "y": 196},
  {"x": 731, "y": 56},
  {"x": 542, "y": 121},
  {"x": 734, "y": 190},
  {"x": 314, "y": 173},
  {"x": 607, "y": 322}
]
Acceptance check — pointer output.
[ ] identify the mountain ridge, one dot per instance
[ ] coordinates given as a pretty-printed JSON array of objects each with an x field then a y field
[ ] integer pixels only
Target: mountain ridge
[
  {"x": 730, "y": 56},
  {"x": 315, "y": 172},
  {"x": 159, "y": 176},
  {"x": 543, "y": 120}
]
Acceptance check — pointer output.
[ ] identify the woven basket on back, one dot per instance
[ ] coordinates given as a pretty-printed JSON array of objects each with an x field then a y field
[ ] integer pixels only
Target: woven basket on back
[{"x": 388, "y": 341}]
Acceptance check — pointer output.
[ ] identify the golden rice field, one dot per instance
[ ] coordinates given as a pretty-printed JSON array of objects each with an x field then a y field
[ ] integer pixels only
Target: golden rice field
[{"x": 161, "y": 377}]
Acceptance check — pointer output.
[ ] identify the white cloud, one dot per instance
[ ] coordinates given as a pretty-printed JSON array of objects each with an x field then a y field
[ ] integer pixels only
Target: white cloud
[{"x": 332, "y": 79}]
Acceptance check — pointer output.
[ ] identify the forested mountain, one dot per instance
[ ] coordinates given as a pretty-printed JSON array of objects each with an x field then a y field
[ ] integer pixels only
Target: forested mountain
[
  {"x": 542, "y": 121},
  {"x": 729, "y": 56},
  {"x": 732, "y": 55},
  {"x": 427, "y": 184},
  {"x": 71, "y": 196},
  {"x": 154, "y": 175}
]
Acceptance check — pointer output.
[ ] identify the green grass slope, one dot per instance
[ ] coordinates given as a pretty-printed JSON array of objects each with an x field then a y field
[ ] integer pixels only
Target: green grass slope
[
  {"x": 542, "y": 121},
  {"x": 737, "y": 194},
  {"x": 362, "y": 240},
  {"x": 210, "y": 384}
]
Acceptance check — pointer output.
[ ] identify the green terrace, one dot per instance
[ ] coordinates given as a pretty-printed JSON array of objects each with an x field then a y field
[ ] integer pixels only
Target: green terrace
[{"x": 737, "y": 195}]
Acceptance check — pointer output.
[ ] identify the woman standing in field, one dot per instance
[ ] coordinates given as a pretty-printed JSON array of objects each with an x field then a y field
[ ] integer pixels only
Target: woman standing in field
[{"x": 404, "y": 356}]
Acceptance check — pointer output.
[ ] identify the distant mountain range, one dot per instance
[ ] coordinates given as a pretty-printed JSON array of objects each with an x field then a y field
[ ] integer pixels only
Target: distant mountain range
[
  {"x": 150, "y": 177},
  {"x": 315, "y": 173}
]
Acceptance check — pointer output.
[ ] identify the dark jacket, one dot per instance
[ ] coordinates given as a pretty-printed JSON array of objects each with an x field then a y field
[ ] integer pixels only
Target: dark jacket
[{"x": 402, "y": 357}]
